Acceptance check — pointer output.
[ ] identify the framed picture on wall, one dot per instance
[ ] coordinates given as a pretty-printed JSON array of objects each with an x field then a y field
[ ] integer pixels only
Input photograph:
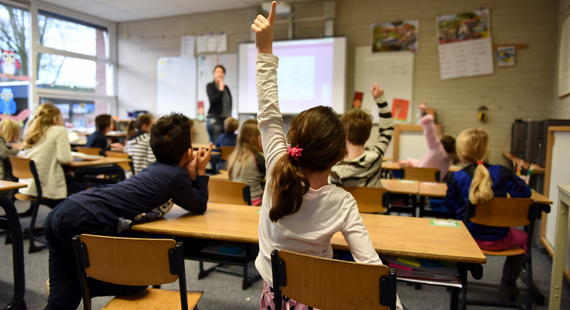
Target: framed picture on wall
[{"x": 506, "y": 56}]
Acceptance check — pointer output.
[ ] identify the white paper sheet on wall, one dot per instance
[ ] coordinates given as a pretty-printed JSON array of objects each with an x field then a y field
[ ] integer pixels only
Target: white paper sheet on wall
[
  {"x": 564, "y": 60},
  {"x": 201, "y": 44},
  {"x": 222, "y": 43},
  {"x": 187, "y": 46}
]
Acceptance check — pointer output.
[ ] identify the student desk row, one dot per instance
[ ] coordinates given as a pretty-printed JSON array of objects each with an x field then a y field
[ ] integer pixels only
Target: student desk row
[
  {"x": 390, "y": 235},
  {"x": 11, "y": 222}
]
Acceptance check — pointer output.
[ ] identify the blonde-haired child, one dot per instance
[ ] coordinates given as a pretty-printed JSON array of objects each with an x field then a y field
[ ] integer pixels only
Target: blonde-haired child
[
  {"x": 47, "y": 143},
  {"x": 9, "y": 133},
  {"x": 300, "y": 211},
  {"x": 247, "y": 163},
  {"x": 478, "y": 183}
]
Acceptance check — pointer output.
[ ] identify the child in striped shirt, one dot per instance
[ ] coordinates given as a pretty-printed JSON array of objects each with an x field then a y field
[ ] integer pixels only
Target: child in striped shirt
[
  {"x": 361, "y": 165},
  {"x": 138, "y": 146}
]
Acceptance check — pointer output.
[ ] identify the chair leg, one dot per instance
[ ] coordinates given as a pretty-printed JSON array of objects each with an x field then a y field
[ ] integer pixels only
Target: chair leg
[
  {"x": 32, "y": 237},
  {"x": 529, "y": 283},
  {"x": 8, "y": 239}
]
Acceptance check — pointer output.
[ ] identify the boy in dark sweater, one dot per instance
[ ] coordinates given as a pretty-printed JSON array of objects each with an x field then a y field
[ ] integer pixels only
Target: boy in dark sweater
[
  {"x": 103, "y": 124},
  {"x": 177, "y": 177}
]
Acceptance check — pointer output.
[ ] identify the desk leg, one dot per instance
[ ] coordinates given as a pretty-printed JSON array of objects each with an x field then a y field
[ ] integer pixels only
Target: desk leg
[
  {"x": 559, "y": 252},
  {"x": 422, "y": 205}
]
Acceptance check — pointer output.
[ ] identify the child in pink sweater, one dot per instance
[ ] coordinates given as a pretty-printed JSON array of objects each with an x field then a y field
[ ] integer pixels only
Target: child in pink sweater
[{"x": 441, "y": 151}]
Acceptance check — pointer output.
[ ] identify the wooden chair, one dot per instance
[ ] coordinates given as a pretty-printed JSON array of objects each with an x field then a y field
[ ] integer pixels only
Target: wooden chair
[
  {"x": 89, "y": 150},
  {"x": 370, "y": 199},
  {"x": 420, "y": 174},
  {"x": 134, "y": 262},
  {"x": 126, "y": 166},
  {"x": 507, "y": 212},
  {"x": 230, "y": 192},
  {"x": 332, "y": 284},
  {"x": 25, "y": 168},
  {"x": 226, "y": 151}
]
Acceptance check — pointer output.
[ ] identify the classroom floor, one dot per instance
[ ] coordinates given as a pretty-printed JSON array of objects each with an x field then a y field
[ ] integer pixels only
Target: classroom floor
[{"x": 223, "y": 291}]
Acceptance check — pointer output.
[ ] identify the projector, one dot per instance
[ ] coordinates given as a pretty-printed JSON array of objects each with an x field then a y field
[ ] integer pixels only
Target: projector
[{"x": 282, "y": 7}]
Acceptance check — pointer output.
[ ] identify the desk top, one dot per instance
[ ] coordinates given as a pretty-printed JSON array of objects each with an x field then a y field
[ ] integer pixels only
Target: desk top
[
  {"x": 116, "y": 134},
  {"x": 440, "y": 190},
  {"x": 7, "y": 185},
  {"x": 390, "y": 235},
  {"x": 397, "y": 186},
  {"x": 511, "y": 157},
  {"x": 203, "y": 146},
  {"x": 78, "y": 142},
  {"x": 223, "y": 175},
  {"x": 395, "y": 166},
  {"x": 98, "y": 162}
]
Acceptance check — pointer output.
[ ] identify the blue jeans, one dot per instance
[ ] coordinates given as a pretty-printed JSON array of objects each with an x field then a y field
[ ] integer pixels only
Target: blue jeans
[{"x": 215, "y": 127}]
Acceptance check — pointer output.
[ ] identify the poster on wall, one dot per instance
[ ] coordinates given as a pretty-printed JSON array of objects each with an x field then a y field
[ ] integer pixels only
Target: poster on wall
[
  {"x": 505, "y": 56},
  {"x": 464, "y": 43},
  {"x": 395, "y": 36}
]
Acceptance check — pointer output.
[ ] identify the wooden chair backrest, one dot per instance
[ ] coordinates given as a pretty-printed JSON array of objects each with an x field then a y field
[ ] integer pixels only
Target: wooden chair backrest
[
  {"x": 89, "y": 150},
  {"x": 129, "y": 261},
  {"x": 21, "y": 167},
  {"x": 502, "y": 212},
  {"x": 226, "y": 151},
  {"x": 421, "y": 174},
  {"x": 226, "y": 191},
  {"x": 334, "y": 284},
  {"x": 369, "y": 199},
  {"x": 125, "y": 166}
]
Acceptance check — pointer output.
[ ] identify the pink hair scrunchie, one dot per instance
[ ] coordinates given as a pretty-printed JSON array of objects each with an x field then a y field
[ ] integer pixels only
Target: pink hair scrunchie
[{"x": 295, "y": 152}]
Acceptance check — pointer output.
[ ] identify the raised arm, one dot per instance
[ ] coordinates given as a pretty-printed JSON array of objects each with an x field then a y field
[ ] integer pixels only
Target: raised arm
[
  {"x": 386, "y": 122},
  {"x": 269, "y": 115}
]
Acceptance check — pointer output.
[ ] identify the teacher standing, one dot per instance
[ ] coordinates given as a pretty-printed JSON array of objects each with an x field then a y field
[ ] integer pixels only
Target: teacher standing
[{"x": 220, "y": 103}]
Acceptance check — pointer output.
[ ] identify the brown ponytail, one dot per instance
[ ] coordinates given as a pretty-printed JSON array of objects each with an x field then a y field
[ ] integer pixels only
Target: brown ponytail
[
  {"x": 131, "y": 129},
  {"x": 134, "y": 125},
  {"x": 473, "y": 147},
  {"x": 319, "y": 132}
]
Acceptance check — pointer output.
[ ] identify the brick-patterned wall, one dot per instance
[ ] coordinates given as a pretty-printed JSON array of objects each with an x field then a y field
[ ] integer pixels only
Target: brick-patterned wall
[
  {"x": 524, "y": 91},
  {"x": 561, "y": 107}
]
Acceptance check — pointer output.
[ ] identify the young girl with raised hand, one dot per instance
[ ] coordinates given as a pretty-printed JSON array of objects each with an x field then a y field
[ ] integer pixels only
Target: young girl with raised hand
[
  {"x": 301, "y": 211},
  {"x": 138, "y": 142},
  {"x": 47, "y": 144},
  {"x": 441, "y": 150},
  {"x": 247, "y": 164},
  {"x": 478, "y": 183}
]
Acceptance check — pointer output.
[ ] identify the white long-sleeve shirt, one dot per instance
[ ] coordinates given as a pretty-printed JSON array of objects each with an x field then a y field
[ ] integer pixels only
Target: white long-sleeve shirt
[
  {"x": 324, "y": 211},
  {"x": 52, "y": 151}
]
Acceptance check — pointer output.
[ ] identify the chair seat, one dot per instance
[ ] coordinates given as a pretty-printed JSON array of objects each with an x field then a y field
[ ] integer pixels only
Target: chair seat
[
  {"x": 23, "y": 197},
  {"x": 154, "y": 299},
  {"x": 513, "y": 251}
]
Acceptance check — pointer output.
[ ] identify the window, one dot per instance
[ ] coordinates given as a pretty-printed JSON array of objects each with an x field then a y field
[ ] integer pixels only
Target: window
[{"x": 14, "y": 42}]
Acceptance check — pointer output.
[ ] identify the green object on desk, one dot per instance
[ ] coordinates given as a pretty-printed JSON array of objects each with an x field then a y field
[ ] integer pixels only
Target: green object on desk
[
  {"x": 407, "y": 181},
  {"x": 444, "y": 223}
]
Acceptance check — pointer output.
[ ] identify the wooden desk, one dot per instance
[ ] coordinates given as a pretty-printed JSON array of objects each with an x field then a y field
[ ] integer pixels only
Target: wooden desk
[
  {"x": 11, "y": 222},
  {"x": 203, "y": 146},
  {"x": 116, "y": 134},
  {"x": 395, "y": 166},
  {"x": 397, "y": 186},
  {"x": 440, "y": 190},
  {"x": 223, "y": 175},
  {"x": 390, "y": 235},
  {"x": 98, "y": 162},
  {"x": 78, "y": 143}
]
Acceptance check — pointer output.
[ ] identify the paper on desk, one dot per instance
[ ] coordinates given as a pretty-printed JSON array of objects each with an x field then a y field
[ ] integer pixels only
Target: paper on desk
[{"x": 85, "y": 156}]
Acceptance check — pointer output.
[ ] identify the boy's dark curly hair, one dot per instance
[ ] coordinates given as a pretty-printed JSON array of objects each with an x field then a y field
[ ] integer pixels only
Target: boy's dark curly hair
[{"x": 170, "y": 138}]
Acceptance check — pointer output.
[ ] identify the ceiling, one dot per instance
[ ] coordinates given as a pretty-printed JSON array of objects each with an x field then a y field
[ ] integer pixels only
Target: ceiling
[{"x": 129, "y": 10}]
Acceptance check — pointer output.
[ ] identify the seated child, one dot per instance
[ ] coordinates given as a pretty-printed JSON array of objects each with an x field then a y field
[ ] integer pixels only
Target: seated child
[
  {"x": 138, "y": 146},
  {"x": 247, "y": 164},
  {"x": 228, "y": 137},
  {"x": 301, "y": 211},
  {"x": 103, "y": 124},
  {"x": 361, "y": 166},
  {"x": 441, "y": 151},
  {"x": 177, "y": 177},
  {"x": 478, "y": 183},
  {"x": 9, "y": 133}
]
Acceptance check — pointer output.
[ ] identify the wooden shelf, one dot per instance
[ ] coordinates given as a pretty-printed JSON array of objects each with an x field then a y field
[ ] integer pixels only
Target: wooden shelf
[{"x": 525, "y": 164}]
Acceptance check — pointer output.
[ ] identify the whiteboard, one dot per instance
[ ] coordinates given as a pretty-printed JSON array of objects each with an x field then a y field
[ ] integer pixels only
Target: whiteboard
[
  {"x": 176, "y": 88},
  {"x": 412, "y": 145},
  {"x": 205, "y": 75},
  {"x": 564, "y": 59},
  {"x": 559, "y": 175},
  {"x": 394, "y": 72}
]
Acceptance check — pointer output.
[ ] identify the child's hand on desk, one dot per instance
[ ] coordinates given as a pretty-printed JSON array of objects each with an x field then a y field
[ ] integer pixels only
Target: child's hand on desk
[
  {"x": 15, "y": 145},
  {"x": 263, "y": 29},
  {"x": 117, "y": 145},
  {"x": 376, "y": 91},
  {"x": 401, "y": 163},
  {"x": 202, "y": 159}
]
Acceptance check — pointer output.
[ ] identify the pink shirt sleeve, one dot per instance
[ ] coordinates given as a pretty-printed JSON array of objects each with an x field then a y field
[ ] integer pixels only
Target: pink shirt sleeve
[{"x": 430, "y": 132}]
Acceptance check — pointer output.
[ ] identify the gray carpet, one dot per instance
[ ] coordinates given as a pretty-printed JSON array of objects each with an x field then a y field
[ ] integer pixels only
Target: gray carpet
[{"x": 223, "y": 291}]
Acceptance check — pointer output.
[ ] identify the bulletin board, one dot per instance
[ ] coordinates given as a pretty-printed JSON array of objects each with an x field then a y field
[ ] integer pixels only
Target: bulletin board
[
  {"x": 205, "y": 75},
  {"x": 394, "y": 72}
]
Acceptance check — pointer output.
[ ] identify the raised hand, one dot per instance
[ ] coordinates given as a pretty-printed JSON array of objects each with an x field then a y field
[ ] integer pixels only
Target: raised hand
[
  {"x": 202, "y": 159},
  {"x": 376, "y": 91},
  {"x": 221, "y": 84},
  {"x": 263, "y": 28},
  {"x": 423, "y": 106}
]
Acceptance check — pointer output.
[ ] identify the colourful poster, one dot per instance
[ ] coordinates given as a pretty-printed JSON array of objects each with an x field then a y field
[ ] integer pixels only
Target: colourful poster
[
  {"x": 400, "y": 109},
  {"x": 395, "y": 36},
  {"x": 463, "y": 27},
  {"x": 506, "y": 56}
]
